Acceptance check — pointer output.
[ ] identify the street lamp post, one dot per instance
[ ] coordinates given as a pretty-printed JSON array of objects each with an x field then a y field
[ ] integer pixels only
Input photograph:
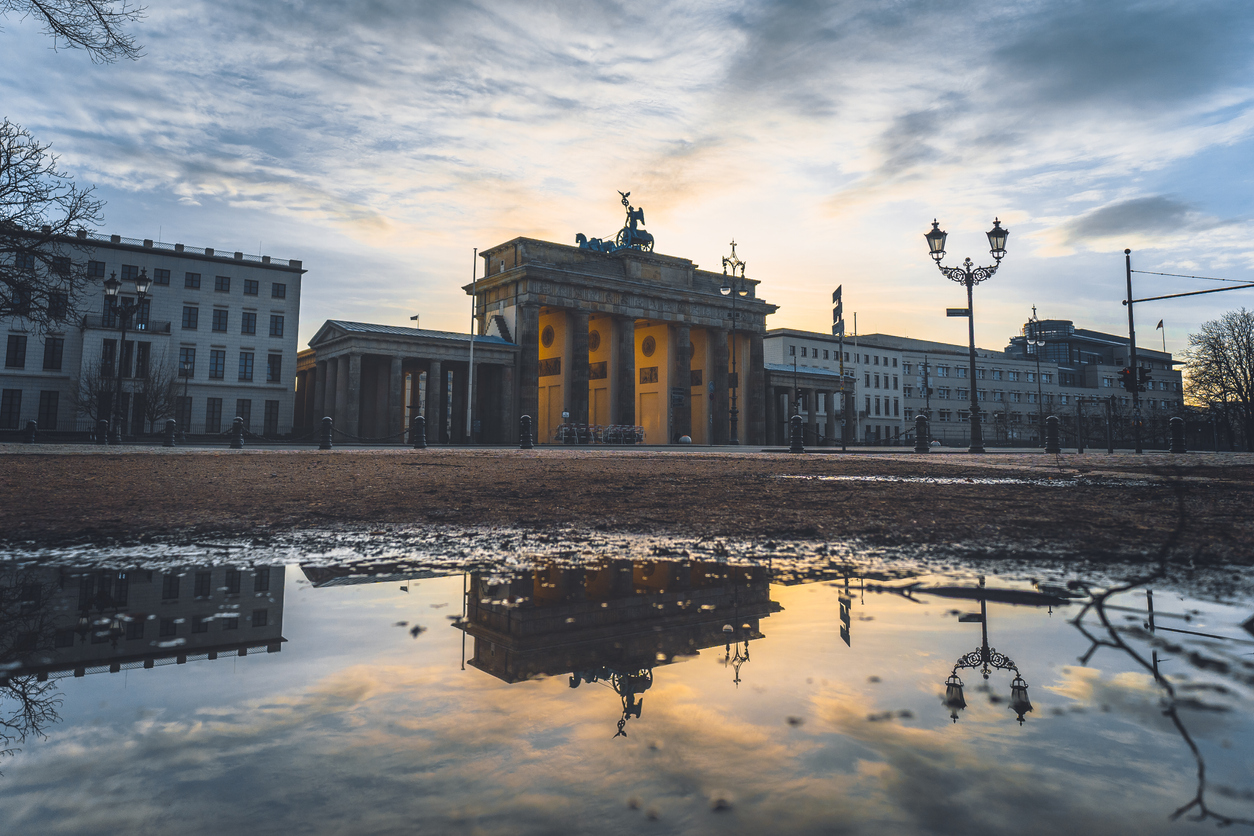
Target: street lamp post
[
  {"x": 734, "y": 285},
  {"x": 1035, "y": 340},
  {"x": 969, "y": 275},
  {"x": 123, "y": 310},
  {"x": 185, "y": 372}
]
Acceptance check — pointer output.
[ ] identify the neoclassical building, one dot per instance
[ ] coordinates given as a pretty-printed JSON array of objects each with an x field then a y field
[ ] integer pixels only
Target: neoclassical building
[{"x": 570, "y": 335}]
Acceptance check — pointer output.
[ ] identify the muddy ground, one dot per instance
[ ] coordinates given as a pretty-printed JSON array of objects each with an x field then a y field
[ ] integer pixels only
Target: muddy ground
[{"x": 1094, "y": 505}]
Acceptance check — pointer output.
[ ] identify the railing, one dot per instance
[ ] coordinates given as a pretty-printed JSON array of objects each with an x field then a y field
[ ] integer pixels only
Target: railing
[
  {"x": 152, "y": 326},
  {"x": 597, "y": 434},
  {"x": 149, "y": 244}
]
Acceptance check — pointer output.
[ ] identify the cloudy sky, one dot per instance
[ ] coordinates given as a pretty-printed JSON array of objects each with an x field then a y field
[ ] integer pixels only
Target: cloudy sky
[{"x": 381, "y": 140}]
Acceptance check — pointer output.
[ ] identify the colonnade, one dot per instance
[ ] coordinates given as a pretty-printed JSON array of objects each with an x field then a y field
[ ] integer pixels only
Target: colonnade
[{"x": 820, "y": 409}]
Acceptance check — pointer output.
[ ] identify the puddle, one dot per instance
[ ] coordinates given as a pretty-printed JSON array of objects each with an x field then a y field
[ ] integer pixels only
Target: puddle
[
  {"x": 1046, "y": 482},
  {"x": 650, "y": 693}
]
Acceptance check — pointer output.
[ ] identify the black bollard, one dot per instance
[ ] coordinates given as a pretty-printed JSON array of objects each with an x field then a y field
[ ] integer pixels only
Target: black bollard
[
  {"x": 797, "y": 444},
  {"x": 922, "y": 435},
  {"x": 325, "y": 443},
  {"x": 237, "y": 434},
  {"x": 418, "y": 432},
  {"x": 31, "y": 433},
  {"x": 102, "y": 431},
  {"x": 1177, "y": 435},
  {"x": 1051, "y": 435},
  {"x": 524, "y": 433},
  {"x": 168, "y": 439}
]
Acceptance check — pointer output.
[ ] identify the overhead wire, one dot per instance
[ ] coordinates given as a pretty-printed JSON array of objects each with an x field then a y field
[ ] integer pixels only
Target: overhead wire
[{"x": 1183, "y": 276}]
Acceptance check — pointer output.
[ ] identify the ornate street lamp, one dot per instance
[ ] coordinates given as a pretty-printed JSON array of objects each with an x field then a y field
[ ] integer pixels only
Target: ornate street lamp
[
  {"x": 734, "y": 285},
  {"x": 185, "y": 372},
  {"x": 123, "y": 311},
  {"x": 986, "y": 659},
  {"x": 1032, "y": 337},
  {"x": 969, "y": 275}
]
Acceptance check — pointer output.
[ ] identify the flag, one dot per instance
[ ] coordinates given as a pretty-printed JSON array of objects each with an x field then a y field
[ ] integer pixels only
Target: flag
[{"x": 1159, "y": 325}]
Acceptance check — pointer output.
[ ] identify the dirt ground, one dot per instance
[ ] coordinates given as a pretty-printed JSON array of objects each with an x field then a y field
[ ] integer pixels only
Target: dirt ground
[{"x": 1094, "y": 505}]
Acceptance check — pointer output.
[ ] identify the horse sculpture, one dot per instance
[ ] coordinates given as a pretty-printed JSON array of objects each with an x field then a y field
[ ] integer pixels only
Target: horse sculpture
[{"x": 630, "y": 236}]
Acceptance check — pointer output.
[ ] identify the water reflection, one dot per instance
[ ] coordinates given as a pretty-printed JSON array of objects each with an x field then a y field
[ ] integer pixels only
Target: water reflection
[
  {"x": 613, "y": 622},
  {"x": 58, "y": 622}
]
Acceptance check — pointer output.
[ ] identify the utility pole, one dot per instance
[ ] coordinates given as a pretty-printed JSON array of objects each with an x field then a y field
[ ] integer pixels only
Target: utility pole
[
  {"x": 1132, "y": 364},
  {"x": 470, "y": 378}
]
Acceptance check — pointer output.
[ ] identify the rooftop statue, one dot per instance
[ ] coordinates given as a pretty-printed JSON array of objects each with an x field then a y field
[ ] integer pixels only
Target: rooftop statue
[{"x": 630, "y": 236}]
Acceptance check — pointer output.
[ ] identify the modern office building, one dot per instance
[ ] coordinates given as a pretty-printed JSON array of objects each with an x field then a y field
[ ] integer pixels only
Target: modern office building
[{"x": 227, "y": 320}]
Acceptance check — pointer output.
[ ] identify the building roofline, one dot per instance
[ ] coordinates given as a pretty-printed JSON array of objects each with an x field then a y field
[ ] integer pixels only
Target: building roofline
[{"x": 147, "y": 245}]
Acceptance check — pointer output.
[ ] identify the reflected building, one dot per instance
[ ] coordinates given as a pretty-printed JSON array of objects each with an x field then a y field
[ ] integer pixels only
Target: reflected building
[
  {"x": 614, "y": 621},
  {"x": 58, "y": 621}
]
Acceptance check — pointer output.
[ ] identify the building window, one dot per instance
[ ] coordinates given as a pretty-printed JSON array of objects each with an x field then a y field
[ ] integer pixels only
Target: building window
[
  {"x": 876, "y": 358},
  {"x": 168, "y": 628},
  {"x": 261, "y": 618},
  {"x": 272, "y": 418},
  {"x": 191, "y": 281},
  {"x": 15, "y": 356},
  {"x": 160, "y": 276},
  {"x": 203, "y": 584},
  {"x": 261, "y": 579},
  {"x": 183, "y": 412},
  {"x": 58, "y": 304},
  {"x": 276, "y": 325},
  {"x": 1031, "y": 377},
  {"x": 248, "y": 323},
  {"x": 222, "y": 284},
  {"x": 245, "y": 365},
  {"x": 877, "y": 381},
  {"x": 896, "y": 408},
  {"x": 274, "y": 367},
  {"x": 825, "y": 353},
  {"x": 877, "y": 406},
  {"x": 10, "y": 408},
  {"x": 135, "y": 629},
  {"x": 191, "y": 318},
  {"x": 963, "y": 394},
  {"x": 278, "y": 291},
  {"x": 129, "y": 272},
  {"x": 894, "y": 362},
  {"x": 942, "y": 371},
  {"x": 95, "y": 269},
  {"x": 48, "y": 402},
  {"x": 996, "y": 374},
  {"x": 251, "y": 287},
  {"x": 244, "y": 409},
  {"x": 894, "y": 383},
  {"x": 963, "y": 416},
  {"x": 219, "y": 320},
  {"x": 217, "y": 364},
  {"x": 868, "y": 379},
  {"x": 187, "y": 360},
  {"x": 213, "y": 415},
  {"x": 944, "y": 415},
  {"x": 1012, "y": 376},
  {"x": 169, "y": 586},
  {"x": 1016, "y": 397},
  {"x": 905, "y": 368},
  {"x": 232, "y": 581},
  {"x": 792, "y": 351},
  {"x": 200, "y": 624},
  {"x": 231, "y": 623}
]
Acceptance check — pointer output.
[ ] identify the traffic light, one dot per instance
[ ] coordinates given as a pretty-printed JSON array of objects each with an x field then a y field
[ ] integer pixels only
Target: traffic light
[
  {"x": 1142, "y": 379},
  {"x": 1127, "y": 380}
]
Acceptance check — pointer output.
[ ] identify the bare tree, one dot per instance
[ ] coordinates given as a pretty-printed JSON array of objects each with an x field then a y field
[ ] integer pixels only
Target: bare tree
[
  {"x": 93, "y": 395},
  {"x": 40, "y": 210},
  {"x": 1220, "y": 371},
  {"x": 27, "y": 627},
  {"x": 160, "y": 389},
  {"x": 96, "y": 26}
]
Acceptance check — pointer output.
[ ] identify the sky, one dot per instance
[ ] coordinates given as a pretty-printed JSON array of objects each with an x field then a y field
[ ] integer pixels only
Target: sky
[{"x": 380, "y": 141}]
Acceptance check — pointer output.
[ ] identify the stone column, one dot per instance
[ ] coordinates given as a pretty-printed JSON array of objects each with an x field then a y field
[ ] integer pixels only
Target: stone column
[
  {"x": 577, "y": 322},
  {"x": 755, "y": 393},
  {"x": 772, "y": 415},
  {"x": 830, "y": 399},
  {"x": 396, "y": 398},
  {"x": 352, "y": 409},
  {"x": 681, "y": 380},
  {"x": 509, "y": 419},
  {"x": 625, "y": 369},
  {"x": 339, "y": 415},
  {"x": 435, "y": 402},
  {"x": 322, "y": 394},
  {"x": 528, "y": 381},
  {"x": 718, "y": 376},
  {"x": 812, "y": 415}
]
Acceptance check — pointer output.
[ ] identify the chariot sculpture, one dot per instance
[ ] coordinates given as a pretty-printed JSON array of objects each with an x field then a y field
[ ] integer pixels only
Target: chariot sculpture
[{"x": 631, "y": 236}]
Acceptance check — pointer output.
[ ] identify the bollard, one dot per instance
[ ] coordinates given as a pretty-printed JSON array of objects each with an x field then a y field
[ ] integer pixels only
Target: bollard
[
  {"x": 1051, "y": 435},
  {"x": 922, "y": 435},
  {"x": 325, "y": 443},
  {"x": 237, "y": 434},
  {"x": 524, "y": 433},
  {"x": 30, "y": 433},
  {"x": 418, "y": 432},
  {"x": 1177, "y": 435},
  {"x": 168, "y": 439},
  {"x": 797, "y": 444},
  {"x": 102, "y": 431}
]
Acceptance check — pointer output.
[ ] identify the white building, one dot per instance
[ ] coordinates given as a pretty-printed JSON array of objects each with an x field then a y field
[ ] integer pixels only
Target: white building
[{"x": 231, "y": 320}]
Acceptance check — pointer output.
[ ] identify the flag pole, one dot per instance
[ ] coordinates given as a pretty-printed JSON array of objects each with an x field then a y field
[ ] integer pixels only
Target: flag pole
[{"x": 470, "y": 379}]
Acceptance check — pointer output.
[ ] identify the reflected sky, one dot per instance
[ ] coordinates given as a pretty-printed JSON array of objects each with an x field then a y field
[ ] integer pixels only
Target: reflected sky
[{"x": 357, "y": 725}]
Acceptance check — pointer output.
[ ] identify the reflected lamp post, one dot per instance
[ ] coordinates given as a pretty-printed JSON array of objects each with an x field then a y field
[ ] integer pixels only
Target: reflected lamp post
[
  {"x": 123, "y": 311},
  {"x": 986, "y": 659},
  {"x": 737, "y": 657},
  {"x": 734, "y": 285},
  {"x": 969, "y": 276}
]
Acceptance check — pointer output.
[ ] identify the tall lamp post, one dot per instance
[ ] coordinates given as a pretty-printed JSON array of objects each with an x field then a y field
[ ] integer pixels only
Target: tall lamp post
[
  {"x": 1032, "y": 335},
  {"x": 969, "y": 275},
  {"x": 734, "y": 285},
  {"x": 123, "y": 311},
  {"x": 185, "y": 372}
]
